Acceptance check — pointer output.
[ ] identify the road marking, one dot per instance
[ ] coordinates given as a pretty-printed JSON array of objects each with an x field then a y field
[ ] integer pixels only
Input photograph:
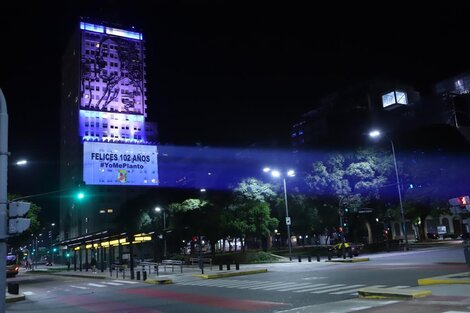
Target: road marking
[
  {"x": 28, "y": 293},
  {"x": 125, "y": 281},
  {"x": 111, "y": 283},
  {"x": 373, "y": 286},
  {"x": 340, "y": 288},
  {"x": 300, "y": 285},
  {"x": 96, "y": 285},
  {"x": 319, "y": 288},
  {"x": 400, "y": 287},
  {"x": 79, "y": 287}
]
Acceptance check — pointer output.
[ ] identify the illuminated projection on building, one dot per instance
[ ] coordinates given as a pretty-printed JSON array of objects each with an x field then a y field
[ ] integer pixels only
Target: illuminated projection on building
[
  {"x": 119, "y": 164},
  {"x": 112, "y": 70},
  {"x": 117, "y": 141}
]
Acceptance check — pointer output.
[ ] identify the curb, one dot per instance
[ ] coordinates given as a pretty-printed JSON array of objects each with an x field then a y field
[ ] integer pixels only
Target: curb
[
  {"x": 390, "y": 293},
  {"x": 230, "y": 274},
  {"x": 349, "y": 260},
  {"x": 14, "y": 298},
  {"x": 165, "y": 281},
  {"x": 459, "y": 278}
]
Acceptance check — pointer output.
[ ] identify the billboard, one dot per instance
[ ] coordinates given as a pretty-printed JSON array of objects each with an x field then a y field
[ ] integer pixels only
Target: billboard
[{"x": 120, "y": 164}]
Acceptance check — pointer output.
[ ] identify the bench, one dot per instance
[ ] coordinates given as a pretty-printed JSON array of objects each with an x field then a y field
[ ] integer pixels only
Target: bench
[
  {"x": 204, "y": 261},
  {"x": 172, "y": 263}
]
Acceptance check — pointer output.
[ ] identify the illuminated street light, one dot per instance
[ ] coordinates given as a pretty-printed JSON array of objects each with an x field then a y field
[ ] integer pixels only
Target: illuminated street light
[
  {"x": 277, "y": 174},
  {"x": 158, "y": 210},
  {"x": 21, "y": 162},
  {"x": 376, "y": 134}
]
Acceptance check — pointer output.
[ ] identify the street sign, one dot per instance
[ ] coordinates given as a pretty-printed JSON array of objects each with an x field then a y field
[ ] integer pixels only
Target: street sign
[
  {"x": 288, "y": 220},
  {"x": 365, "y": 210}
]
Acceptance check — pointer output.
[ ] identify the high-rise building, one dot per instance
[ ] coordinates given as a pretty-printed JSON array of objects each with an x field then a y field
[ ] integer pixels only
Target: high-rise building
[{"x": 107, "y": 146}]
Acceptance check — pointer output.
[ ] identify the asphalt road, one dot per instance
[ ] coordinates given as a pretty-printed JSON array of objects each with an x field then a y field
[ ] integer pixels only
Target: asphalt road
[{"x": 289, "y": 287}]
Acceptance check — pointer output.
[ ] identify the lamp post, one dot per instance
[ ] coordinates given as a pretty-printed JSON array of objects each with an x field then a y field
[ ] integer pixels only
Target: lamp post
[
  {"x": 277, "y": 174},
  {"x": 158, "y": 210},
  {"x": 375, "y": 134}
]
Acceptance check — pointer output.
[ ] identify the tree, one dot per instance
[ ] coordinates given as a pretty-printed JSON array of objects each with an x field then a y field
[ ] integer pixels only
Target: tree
[
  {"x": 430, "y": 180},
  {"x": 352, "y": 178},
  {"x": 250, "y": 211}
]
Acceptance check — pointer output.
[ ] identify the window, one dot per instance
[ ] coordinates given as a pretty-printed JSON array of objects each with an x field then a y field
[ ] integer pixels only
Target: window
[{"x": 394, "y": 97}]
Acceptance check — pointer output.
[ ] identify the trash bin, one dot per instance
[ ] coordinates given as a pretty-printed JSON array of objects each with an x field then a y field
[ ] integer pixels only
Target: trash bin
[{"x": 13, "y": 288}]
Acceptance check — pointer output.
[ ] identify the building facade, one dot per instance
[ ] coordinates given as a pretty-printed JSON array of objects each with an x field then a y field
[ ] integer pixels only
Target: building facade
[{"x": 108, "y": 148}]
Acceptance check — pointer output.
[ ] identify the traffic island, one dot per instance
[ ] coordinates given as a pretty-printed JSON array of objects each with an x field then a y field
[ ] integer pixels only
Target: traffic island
[
  {"x": 392, "y": 293},
  {"x": 14, "y": 298},
  {"x": 458, "y": 278},
  {"x": 159, "y": 281},
  {"x": 355, "y": 260},
  {"x": 230, "y": 274}
]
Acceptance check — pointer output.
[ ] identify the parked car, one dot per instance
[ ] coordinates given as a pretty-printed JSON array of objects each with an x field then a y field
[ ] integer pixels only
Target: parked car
[
  {"x": 355, "y": 249},
  {"x": 12, "y": 266}
]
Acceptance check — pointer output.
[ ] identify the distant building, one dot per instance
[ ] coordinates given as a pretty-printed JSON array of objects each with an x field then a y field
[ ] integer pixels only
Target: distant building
[
  {"x": 106, "y": 141},
  {"x": 344, "y": 118},
  {"x": 455, "y": 91}
]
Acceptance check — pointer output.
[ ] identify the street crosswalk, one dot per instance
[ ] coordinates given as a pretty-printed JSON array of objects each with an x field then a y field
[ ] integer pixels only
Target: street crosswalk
[
  {"x": 104, "y": 284},
  {"x": 89, "y": 286},
  {"x": 295, "y": 287}
]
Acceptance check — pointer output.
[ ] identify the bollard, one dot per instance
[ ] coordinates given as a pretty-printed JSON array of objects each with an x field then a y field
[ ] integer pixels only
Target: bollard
[
  {"x": 300, "y": 258},
  {"x": 228, "y": 267},
  {"x": 221, "y": 266},
  {"x": 309, "y": 258},
  {"x": 13, "y": 288},
  {"x": 344, "y": 255},
  {"x": 138, "y": 275},
  {"x": 144, "y": 274},
  {"x": 237, "y": 266},
  {"x": 318, "y": 258},
  {"x": 350, "y": 253},
  {"x": 329, "y": 256}
]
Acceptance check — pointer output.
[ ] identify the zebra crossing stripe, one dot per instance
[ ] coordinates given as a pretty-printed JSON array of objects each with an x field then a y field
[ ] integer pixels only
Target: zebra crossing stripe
[
  {"x": 310, "y": 287},
  {"x": 320, "y": 288},
  {"x": 268, "y": 286},
  {"x": 79, "y": 287},
  {"x": 340, "y": 288},
  {"x": 28, "y": 293},
  {"x": 125, "y": 281},
  {"x": 400, "y": 287},
  {"x": 299, "y": 285},
  {"x": 283, "y": 286},
  {"x": 247, "y": 284},
  {"x": 243, "y": 284},
  {"x": 96, "y": 285},
  {"x": 111, "y": 283}
]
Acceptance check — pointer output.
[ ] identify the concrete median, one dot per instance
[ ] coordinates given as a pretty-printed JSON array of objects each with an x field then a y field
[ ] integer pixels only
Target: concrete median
[
  {"x": 392, "y": 293},
  {"x": 458, "y": 278}
]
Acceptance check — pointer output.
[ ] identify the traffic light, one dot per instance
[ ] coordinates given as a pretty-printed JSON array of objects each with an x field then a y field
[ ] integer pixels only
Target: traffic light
[
  {"x": 17, "y": 223},
  {"x": 80, "y": 194},
  {"x": 345, "y": 221},
  {"x": 54, "y": 250}
]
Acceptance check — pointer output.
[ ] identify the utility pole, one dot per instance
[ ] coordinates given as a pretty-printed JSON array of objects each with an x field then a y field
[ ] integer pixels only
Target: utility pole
[{"x": 3, "y": 196}]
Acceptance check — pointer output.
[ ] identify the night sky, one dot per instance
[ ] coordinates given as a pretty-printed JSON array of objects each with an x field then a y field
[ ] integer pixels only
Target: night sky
[{"x": 222, "y": 75}]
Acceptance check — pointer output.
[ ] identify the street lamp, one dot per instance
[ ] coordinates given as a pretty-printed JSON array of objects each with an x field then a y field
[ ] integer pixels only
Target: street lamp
[
  {"x": 158, "y": 210},
  {"x": 375, "y": 134},
  {"x": 277, "y": 174}
]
